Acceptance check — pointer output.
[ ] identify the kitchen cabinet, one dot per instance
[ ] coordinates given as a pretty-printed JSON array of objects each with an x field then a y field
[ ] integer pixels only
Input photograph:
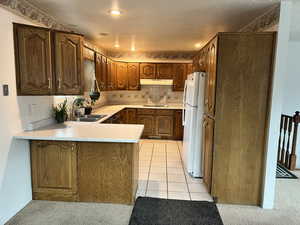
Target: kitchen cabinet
[
  {"x": 68, "y": 64},
  {"x": 48, "y": 62},
  {"x": 211, "y": 73},
  {"x": 147, "y": 70},
  {"x": 190, "y": 68},
  {"x": 164, "y": 126},
  {"x": 178, "y": 127},
  {"x": 180, "y": 75},
  {"x": 207, "y": 146},
  {"x": 149, "y": 124},
  {"x": 33, "y": 56},
  {"x": 133, "y": 75},
  {"x": 236, "y": 114},
  {"x": 101, "y": 71},
  {"x": 65, "y": 171},
  {"x": 131, "y": 116},
  {"x": 111, "y": 75},
  {"x": 164, "y": 71},
  {"x": 122, "y": 80},
  {"x": 54, "y": 170}
]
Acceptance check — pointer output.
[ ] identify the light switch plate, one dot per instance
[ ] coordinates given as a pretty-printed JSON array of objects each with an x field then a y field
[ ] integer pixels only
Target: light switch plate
[{"x": 5, "y": 90}]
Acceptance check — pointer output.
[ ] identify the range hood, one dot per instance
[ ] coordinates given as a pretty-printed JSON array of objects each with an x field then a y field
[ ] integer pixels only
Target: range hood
[{"x": 156, "y": 82}]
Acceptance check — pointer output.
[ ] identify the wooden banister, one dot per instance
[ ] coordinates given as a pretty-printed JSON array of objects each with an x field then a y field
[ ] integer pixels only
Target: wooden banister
[{"x": 288, "y": 130}]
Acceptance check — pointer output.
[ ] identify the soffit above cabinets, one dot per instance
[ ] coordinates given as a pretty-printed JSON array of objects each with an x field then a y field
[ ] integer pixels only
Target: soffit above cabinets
[{"x": 156, "y": 25}]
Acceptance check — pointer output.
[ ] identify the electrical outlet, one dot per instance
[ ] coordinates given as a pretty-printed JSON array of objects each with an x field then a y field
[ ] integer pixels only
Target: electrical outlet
[{"x": 5, "y": 90}]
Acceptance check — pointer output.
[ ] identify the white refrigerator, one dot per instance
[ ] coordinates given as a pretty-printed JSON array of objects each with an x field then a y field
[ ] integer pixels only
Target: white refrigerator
[{"x": 193, "y": 110}]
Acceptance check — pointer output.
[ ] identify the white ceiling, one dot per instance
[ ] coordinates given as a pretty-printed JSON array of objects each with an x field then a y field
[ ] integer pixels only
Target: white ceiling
[{"x": 154, "y": 25}]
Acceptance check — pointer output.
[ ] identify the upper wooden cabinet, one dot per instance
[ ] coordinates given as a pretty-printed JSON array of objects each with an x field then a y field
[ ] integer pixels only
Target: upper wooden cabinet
[
  {"x": 101, "y": 71},
  {"x": 133, "y": 75},
  {"x": 68, "y": 63},
  {"x": 180, "y": 75},
  {"x": 33, "y": 60},
  {"x": 147, "y": 71},
  {"x": 41, "y": 71},
  {"x": 122, "y": 76},
  {"x": 111, "y": 75},
  {"x": 164, "y": 71}
]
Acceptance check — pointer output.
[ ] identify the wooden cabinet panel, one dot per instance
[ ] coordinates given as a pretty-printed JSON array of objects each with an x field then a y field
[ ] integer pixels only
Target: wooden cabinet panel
[
  {"x": 111, "y": 75},
  {"x": 211, "y": 74},
  {"x": 123, "y": 116},
  {"x": 164, "y": 126},
  {"x": 149, "y": 124},
  {"x": 180, "y": 75},
  {"x": 133, "y": 71},
  {"x": 164, "y": 112},
  {"x": 147, "y": 70},
  {"x": 101, "y": 71},
  {"x": 107, "y": 172},
  {"x": 33, "y": 60},
  {"x": 131, "y": 116},
  {"x": 122, "y": 80},
  {"x": 178, "y": 127},
  {"x": 207, "y": 143},
  {"x": 54, "y": 170},
  {"x": 190, "y": 68},
  {"x": 164, "y": 71},
  {"x": 68, "y": 63}
]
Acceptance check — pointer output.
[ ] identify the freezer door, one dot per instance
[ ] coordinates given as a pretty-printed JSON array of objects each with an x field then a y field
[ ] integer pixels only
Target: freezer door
[
  {"x": 192, "y": 87},
  {"x": 189, "y": 138}
]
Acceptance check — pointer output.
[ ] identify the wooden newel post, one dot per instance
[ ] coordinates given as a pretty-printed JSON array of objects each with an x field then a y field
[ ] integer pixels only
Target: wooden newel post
[{"x": 293, "y": 156}]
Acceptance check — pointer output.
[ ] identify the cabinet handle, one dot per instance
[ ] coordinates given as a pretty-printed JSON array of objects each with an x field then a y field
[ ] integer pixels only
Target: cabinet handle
[
  {"x": 59, "y": 83},
  {"x": 49, "y": 83}
]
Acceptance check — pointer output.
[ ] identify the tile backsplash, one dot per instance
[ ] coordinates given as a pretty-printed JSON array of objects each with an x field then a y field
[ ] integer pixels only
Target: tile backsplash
[{"x": 147, "y": 95}]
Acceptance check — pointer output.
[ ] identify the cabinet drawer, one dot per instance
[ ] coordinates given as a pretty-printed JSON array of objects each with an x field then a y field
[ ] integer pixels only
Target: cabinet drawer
[
  {"x": 164, "y": 112},
  {"x": 146, "y": 111}
]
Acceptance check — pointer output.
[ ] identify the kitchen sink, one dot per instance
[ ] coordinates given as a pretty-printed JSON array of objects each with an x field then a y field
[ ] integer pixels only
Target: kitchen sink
[{"x": 90, "y": 118}]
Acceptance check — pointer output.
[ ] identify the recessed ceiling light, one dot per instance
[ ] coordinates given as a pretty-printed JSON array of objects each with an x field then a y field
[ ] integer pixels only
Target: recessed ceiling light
[
  {"x": 117, "y": 45},
  {"x": 133, "y": 49},
  {"x": 198, "y": 45},
  {"x": 115, "y": 12}
]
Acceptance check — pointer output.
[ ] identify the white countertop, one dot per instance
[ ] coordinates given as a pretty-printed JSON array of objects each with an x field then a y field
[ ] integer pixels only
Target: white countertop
[
  {"x": 86, "y": 131},
  {"x": 93, "y": 131}
]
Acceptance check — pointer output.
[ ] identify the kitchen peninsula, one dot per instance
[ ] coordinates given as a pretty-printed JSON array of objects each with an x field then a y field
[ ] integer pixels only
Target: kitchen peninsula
[{"x": 85, "y": 162}]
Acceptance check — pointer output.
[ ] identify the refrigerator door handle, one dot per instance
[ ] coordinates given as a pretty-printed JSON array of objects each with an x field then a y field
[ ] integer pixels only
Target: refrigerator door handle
[{"x": 184, "y": 100}]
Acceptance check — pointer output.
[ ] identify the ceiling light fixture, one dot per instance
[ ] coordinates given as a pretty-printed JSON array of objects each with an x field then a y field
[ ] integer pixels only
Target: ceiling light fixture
[
  {"x": 115, "y": 12},
  {"x": 198, "y": 45},
  {"x": 117, "y": 45},
  {"x": 133, "y": 49}
]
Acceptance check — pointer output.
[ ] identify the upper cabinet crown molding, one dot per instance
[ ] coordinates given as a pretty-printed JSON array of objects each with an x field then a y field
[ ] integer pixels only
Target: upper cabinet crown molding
[{"x": 48, "y": 62}]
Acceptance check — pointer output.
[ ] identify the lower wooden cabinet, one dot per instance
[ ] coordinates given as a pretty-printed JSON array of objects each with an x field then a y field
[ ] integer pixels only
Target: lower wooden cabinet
[
  {"x": 149, "y": 124},
  {"x": 54, "y": 170},
  {"x": 208, "y": 140},
  {"x": 84, "y": 171},
  {"x": 164, "y": 126},
  {"x": 178, "y": 127}
]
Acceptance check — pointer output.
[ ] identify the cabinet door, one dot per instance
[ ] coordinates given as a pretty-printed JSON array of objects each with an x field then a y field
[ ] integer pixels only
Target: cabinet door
[
  {"x": 111, "y": 75},
  {"x": 131, "y": 116},
  {"x": 180, "y": 75},
  {"x": 210, "y": 89},
  {"x": 147, "y": 71},
  {"x": 164, "y": 126},
  {"x": 207, "y": 141},
  {"x": 133, "y": 76},
  {"x": 190, "y": 68},
  {"x": 33, "y": 60},
  {"x": 123, "y": 116},
  {"x": 178, "y": 128},
  {"x": 68, "y": 64},
  {"x": 164, "y": 71},
  {"x": 101, "y": 71},
  {"x": 54, "y": 170},
  {"x": 149, "y": 124},
  {"x": 122, "y": 76}
]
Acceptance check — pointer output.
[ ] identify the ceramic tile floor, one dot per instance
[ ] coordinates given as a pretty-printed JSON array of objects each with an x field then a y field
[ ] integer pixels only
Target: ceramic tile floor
[{"x": 162, "y": 175}]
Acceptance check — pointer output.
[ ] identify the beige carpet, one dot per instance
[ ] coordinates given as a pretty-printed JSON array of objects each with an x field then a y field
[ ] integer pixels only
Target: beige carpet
[{"x": 286, "y": 212}]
